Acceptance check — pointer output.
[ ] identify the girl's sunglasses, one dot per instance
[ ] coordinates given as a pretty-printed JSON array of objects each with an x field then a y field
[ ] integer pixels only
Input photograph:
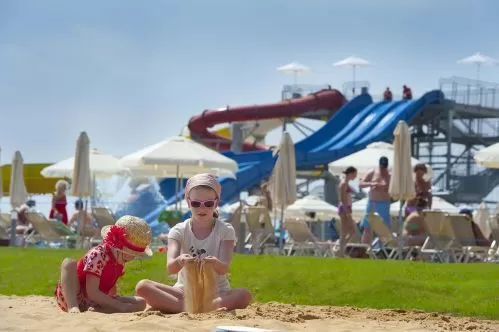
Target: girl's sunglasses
[{"x": 209, "y": 203}]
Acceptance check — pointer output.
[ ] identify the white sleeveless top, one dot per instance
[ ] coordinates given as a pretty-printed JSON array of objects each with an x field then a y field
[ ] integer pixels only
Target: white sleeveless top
[{"x": 189, "y": 244}]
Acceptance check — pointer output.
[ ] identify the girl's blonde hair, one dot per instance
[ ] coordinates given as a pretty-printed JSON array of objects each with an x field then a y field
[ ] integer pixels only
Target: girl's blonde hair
[{"x": 60, "y": 183}]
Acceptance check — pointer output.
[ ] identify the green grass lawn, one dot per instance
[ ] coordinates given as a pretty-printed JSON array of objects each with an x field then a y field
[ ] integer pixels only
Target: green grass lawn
[{"x": 461, "y": 289}]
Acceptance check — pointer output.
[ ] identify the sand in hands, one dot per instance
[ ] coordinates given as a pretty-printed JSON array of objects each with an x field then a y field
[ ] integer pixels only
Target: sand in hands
[
  {"x": 200, "y": 287},
  {"x": 37, "y": 313}
]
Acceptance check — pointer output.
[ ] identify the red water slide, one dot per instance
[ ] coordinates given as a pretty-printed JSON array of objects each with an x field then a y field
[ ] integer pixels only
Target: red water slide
[{"x": 199, "y": 124}]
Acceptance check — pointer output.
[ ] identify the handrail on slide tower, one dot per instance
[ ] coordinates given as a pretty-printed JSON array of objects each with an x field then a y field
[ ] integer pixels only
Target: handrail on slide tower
[{"x": 354, "y": 126}]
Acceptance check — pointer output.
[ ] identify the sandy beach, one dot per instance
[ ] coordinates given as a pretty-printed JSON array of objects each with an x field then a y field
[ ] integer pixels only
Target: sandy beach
[{"x": 37, "y": 313}]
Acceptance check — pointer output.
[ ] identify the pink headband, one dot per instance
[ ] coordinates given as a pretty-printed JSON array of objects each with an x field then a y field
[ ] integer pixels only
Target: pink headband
[{"x": 203, "y": 179}]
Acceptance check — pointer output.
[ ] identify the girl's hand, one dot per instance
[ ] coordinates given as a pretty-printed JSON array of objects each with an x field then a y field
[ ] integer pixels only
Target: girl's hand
[
  {"x": 211, "y": 259},
  {"x": 184, "y": 259},
  {"x": 219, "y": 267}
]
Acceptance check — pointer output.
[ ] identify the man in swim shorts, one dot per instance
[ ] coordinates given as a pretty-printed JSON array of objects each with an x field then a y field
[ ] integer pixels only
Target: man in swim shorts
[{"x": 378, "y": 180}]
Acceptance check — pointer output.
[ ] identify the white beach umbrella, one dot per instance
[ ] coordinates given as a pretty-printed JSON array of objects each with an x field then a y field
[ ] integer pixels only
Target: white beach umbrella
[
  {"x": 481, "y": 218},
  {"x": 488, "y": 157},
  {"x": 283, "y": 180},
  {"x": 81, "y": 185},
  {"x": 17, "y": 191},
  {"x": 302, "y": 208},
  {"x": 402, "y": 184},
  {"x": 438, "y": 204},
  {"x": 178, "y": 156},
  {"x": 294, "y": 68},
  {"x": 81, "y": 178},
  {"x": 251, "y": 200},
  {"x": 478, "y": 60},
  {"x": 368, "y": 158},
  {"x": 101, "y": 165},
  {"x": 312, "y": 208},
  {"x": 353, "y": 62}
]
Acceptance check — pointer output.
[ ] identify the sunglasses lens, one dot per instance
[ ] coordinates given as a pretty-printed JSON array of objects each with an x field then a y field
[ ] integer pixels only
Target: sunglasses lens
[
  {"x": 209, "y": 204},
  {"x": 195, "y": 204}
]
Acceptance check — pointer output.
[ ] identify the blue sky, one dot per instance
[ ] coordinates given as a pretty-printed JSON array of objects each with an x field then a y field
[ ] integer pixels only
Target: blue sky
[{"x": 131, "y": 73}]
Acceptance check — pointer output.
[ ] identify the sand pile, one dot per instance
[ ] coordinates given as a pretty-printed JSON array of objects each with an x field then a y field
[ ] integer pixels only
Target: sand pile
[{"x": 36, "y": 313}]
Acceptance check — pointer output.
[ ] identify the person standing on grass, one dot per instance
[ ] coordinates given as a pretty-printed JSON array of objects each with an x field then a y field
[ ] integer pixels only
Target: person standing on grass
[
  {"x": 204, "y": 238},
  {"x": 347, "y": 224},
  {"x": 378, "y": 180},
  {"x": 90, "y": 283}
]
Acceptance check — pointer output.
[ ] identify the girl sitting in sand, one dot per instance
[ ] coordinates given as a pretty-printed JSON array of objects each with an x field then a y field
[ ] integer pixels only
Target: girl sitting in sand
[
  {"x": 202, "y": 237},
  {"x": 90, "y": 283}
]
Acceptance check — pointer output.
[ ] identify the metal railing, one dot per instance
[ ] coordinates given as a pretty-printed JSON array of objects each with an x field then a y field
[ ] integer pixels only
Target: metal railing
[
  {"x": 470, "y": 92},
  {"x": 291, "y": 91},
  {"x": 352, "y": 89}
]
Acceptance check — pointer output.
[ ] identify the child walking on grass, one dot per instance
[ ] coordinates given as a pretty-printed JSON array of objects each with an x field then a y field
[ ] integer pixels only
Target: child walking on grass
[
  {"x": 204, "y": 238},
  {"x": 90, "y": 283}
]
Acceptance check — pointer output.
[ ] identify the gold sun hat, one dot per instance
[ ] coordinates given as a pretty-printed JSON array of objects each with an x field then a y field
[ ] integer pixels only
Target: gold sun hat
[{"x": 129, "y": 234}]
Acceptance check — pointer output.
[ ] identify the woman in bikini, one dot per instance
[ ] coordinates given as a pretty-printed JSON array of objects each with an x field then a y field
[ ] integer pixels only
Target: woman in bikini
[
  {"x": 414, "y": 227},
  {"x": 347, "y": 224},
  {"x": 423, "y": 190}
]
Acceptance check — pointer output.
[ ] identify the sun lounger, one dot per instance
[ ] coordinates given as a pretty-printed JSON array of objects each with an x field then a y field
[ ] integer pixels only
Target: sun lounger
[
  {"x": 4, "y": 234},
  {"x": 5, "y": 221},
  {"x": 493, "y": 254},
  {"x": 302, "y": 240},
  {"x": 103, "y": 216},
  {"x": 440, "y": 243},
  {"x": 388, "y": 241},
  {"x": 260, "y": 229},
  {"x": 48, "y": 230},
  {"x": 465, "y": 238}
]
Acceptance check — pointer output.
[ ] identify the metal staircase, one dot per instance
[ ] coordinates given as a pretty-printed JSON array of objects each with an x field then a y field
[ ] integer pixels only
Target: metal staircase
[{"x": 452, "y": 133}]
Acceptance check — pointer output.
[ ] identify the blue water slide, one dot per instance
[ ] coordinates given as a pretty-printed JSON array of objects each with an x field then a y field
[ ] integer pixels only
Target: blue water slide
[
  {"x": 365, "y": 116},
  {"x": 352, "y": 128},
  {"x": 341, "y": 119},
  {"x": 377, "y": 125},
  {"x": 255, "y": 166}
]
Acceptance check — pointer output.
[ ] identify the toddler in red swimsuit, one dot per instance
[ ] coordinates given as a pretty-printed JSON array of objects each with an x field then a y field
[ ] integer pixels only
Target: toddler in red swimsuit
[{"x": 90, "y": 283}]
